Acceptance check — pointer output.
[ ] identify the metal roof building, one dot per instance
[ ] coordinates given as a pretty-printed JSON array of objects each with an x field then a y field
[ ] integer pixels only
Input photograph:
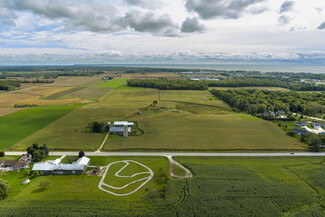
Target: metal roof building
[{"x": 55, "y": 168}]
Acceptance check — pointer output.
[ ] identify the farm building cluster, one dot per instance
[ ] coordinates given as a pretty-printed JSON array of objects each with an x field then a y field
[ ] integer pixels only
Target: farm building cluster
[
  {"x": 58, "y": 168},
  {"x": 122, "y": 128},
  {"x": 13, "y": 165}
]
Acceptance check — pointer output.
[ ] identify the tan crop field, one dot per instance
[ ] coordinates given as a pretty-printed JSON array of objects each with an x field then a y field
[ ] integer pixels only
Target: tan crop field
[
  {"x": 7, "y": 111},
  {"x": 73, "y": 81}
]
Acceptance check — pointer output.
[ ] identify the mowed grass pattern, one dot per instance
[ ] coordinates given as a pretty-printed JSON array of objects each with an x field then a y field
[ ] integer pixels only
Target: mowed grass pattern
[
  {"x": 21, "y": 124},
  {"x": 185, "y": 131}
]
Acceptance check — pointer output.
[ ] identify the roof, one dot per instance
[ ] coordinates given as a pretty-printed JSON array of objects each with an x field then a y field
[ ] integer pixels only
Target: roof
[
  {"x": 25, "y": 157},
  {"x": 300, "y": 131},
  {"x": 57, "y": 161},
  {"x": 51, "y": 167},
  {"x": 14, "y": 163},
  {"x": 317, "y": 124},
  {"x": 300, "y": 122},
  {"x": 118, "y": 129},
  {"x": 123, "y": 123},
  {"x": 83, "y": 161}
]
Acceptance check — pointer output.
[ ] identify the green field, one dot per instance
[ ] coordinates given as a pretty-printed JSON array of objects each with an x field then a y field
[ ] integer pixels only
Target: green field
[
  {"x": 17, "y": 126},
  {"x": 245, "y": 187},
  {"x": 218, "y": 132},
  {"x": 115, "y": 82}
]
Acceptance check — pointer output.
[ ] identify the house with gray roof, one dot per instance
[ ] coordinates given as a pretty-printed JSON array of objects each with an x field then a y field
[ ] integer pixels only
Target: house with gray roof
[{"x": 301, "y": 124}]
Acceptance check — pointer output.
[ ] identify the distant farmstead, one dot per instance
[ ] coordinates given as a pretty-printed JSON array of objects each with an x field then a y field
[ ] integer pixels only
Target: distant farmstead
[
  {"x": 56, "y": 168},
  {"x": 121, "y": 128}
]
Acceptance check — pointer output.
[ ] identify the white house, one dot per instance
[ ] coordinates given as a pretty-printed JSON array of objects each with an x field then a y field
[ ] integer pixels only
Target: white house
[
  {"x": 301, "y": 124},
  {"x": 121, "y": 128}
]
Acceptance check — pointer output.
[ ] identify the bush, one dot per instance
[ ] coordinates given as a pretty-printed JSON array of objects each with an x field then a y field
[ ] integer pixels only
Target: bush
[{"x": 2, "y": 153}]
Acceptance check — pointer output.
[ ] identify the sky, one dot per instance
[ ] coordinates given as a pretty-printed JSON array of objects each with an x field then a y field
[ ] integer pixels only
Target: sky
[{"x": 161, "y": 31}]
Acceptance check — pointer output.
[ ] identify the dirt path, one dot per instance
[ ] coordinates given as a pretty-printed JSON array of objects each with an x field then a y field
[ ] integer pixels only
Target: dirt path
[{"x": 188, "y": 173}]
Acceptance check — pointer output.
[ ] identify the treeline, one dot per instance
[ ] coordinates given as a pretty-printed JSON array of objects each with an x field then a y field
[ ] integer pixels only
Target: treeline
[
  {"x": 81, "y": 73},
  {"x": 36, "y": 81},
  {"x": 9, "y": 85},
  {"x": 251, "y": 82},
  {"x": 165, "y": 84},
  {"x": 259, "y": 101}
]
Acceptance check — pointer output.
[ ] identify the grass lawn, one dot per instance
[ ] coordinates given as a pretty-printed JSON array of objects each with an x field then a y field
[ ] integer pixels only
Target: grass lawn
[
  {"x": 244, "y": 187},
  {"x": 217, "y": 132},
  {"x": 17, "y": 126}
]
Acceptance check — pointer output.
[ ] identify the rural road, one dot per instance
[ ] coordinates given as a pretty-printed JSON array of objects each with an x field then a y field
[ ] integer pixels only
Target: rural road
[{"x": 184, "y": 154}]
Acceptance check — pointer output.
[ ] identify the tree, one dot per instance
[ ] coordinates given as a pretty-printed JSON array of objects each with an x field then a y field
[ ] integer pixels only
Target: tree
[
  {"x": 4, "y": 189},
  {"x": 38, "y": 155},
  {"x": 81, "y": 154},
  {"x": 45, "y": 149},
  {"x": 315, "y": 143},
  {"x": 291, "y": 133},
  {"x": 2, "y": 153}
]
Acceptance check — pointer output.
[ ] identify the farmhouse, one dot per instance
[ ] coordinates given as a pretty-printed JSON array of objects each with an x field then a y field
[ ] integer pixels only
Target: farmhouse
[
  {"x": 301, "y": 124},
  {"x": 300, "y": 132},
  {"x": 22, "y": 163},
  {"x": 55, "y": 168},
  {"x": 121, "y": 128}
]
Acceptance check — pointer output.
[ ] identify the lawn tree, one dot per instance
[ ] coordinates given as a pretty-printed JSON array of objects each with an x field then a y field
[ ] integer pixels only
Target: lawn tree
[
  {"x": 4, "y": 189},
  {"x": 38, "y": 152},
  {"x": 2, "y": 153},
  {"x": 81, "y": 154}
]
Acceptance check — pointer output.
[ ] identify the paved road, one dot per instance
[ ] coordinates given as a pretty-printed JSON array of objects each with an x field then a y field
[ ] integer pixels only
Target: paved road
[{"x": 189, "y": 154}]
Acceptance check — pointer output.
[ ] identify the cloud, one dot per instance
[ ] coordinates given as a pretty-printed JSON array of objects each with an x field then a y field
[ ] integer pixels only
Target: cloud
[
  {"x": 321, "y": 26},
  {"x": 6, "y": 16},
  {"x": 192, "y": 25},
  {"x": 230, "y": 9},
  {"x": 287, "y": 6},
  {"x": 150, "y": 4},
  {"x": 284, "y": 20},
  {"x": 150, "y": 22}
]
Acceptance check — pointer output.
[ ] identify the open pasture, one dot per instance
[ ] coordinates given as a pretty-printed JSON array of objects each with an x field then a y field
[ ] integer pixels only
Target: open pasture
[
  {"x": 191, "y": 96},
  {"x": 118, "y": 96},
  {"x": 115, "y": 82},
  {"x": 206, "y": 132},
  {"x": 14, "y": 127}
]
